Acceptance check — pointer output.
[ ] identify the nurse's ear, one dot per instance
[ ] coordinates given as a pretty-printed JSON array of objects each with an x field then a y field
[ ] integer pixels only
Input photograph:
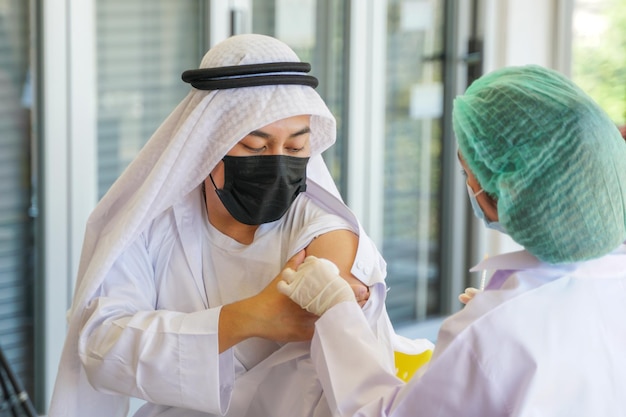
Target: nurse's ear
[{"x": 489, "y": 205}]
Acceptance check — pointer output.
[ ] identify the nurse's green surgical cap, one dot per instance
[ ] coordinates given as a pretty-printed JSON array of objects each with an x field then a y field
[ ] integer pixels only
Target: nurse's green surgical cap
[{"x": 551, "y": 157}]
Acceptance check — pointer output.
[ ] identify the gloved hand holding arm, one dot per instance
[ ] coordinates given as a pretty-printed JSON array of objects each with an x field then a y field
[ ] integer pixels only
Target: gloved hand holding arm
[{"x": 316, "y": 285}]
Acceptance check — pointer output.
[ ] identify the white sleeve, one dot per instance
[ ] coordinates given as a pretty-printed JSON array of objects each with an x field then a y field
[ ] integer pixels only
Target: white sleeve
[
  {"x": 351, "y": 364},
  {"x": 164, "y": 357},
  {"x": 357, "y": 384}
]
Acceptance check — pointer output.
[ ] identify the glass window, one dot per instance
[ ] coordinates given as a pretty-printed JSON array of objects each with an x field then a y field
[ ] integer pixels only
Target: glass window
[
  {"x": 412, "y": 175},
  {"x": 16, "y": 223},
  {"x": 143, "y": 46}
]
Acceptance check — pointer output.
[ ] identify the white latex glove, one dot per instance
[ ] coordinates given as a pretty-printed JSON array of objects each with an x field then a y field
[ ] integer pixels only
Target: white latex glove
[
  {"x": 468, "y": 294},
  {"x": 316, "y": 286}
]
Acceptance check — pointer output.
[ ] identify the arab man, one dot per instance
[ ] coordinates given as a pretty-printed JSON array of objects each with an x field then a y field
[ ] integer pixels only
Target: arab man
[{"x": 176, "y": 301}]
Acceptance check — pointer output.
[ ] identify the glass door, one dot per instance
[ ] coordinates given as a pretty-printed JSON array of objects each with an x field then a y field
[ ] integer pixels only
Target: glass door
[
  {"x": 143, "y": 46},
  {"x": 17, "y": 212},
  {"x": 432, "y": 53},
  {"x": 413, "y": 146}
]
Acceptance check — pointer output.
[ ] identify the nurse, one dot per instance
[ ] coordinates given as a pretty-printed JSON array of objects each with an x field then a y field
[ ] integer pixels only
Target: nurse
[
  {"x": 547, "y": 166},
  {"x": 176, "y": 302}
]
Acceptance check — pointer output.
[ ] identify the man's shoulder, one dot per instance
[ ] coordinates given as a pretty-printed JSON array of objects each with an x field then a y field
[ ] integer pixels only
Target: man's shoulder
[
  {"x": 161, "y": 226},
  {"x": 308, "y": 208}
]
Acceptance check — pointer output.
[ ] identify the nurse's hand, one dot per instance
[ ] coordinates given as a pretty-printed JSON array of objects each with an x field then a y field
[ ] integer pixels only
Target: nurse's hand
[
  {"x": 316, "y": 285},
  {"x": 340, "y": 247},
  {"x": 468, "y": 295},
  {"x": 269, "y": 314}
]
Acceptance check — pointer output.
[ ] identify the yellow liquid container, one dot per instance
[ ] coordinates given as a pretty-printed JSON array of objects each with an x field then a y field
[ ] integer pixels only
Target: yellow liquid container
[{"x": 407, "y": 365}]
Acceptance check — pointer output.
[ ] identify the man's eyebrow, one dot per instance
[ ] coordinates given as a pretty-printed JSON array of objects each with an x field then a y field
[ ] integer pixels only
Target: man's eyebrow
[
  {"x": 265, "y": 135},
  {"x": 260, "y": 134},
  {"x": 303, "y": 131}
]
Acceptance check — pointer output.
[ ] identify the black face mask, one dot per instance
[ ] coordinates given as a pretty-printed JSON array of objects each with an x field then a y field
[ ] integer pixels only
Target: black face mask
[{"x": 260, "y": 189}]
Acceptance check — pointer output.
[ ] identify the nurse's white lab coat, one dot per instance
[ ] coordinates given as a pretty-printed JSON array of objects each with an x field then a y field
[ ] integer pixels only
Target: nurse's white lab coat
[{"x": 541, "y": 340}]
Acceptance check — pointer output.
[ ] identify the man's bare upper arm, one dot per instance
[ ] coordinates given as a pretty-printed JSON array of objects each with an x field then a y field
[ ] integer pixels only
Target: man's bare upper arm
[{"x": 338, "y": 246}]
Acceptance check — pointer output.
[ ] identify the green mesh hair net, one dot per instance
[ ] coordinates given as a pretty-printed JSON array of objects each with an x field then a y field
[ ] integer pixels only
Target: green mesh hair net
[{"x": 551, "y": 157}]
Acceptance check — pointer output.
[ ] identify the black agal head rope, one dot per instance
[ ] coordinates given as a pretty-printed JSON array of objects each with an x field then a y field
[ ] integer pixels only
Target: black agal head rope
[{"x": 222, "y": 78}]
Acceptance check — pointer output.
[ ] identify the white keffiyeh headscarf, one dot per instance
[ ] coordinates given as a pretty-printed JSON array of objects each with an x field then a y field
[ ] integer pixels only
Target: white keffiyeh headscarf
[{"x": 177, "y": 158}]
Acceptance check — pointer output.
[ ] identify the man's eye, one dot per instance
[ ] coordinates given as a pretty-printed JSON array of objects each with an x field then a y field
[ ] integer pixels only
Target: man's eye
[{"x": 255, "y": 150}]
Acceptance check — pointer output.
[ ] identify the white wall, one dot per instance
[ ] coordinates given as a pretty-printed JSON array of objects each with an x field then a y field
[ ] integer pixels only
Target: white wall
[{"x": 519, "y": 32}]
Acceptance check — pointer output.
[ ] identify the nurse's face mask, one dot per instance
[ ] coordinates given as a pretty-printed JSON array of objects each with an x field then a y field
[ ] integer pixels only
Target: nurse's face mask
[
  {"x": 478, "y": 211},
  {"x": 260, "y": 189}
]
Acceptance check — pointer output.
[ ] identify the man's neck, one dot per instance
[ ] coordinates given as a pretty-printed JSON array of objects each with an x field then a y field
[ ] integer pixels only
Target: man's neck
[{"x": 223, "y": 221}]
